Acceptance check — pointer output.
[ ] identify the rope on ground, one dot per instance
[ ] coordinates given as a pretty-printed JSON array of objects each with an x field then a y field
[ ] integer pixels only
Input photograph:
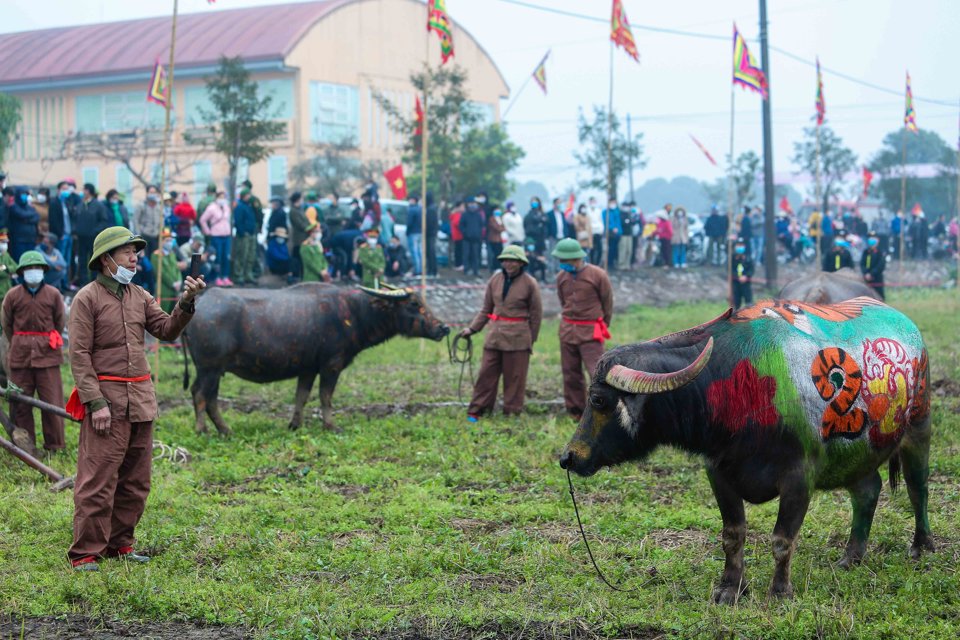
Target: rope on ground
[
  {"x": 461, "y": 352},
  {"x": 176, "y": 455}
]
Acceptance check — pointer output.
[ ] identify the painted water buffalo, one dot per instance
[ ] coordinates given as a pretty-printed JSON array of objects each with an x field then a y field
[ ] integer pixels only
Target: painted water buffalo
[
  {"x": 781, "y": 398},
  {"x": 299, "y": 332},
  {"x": 828, "y": 288}
]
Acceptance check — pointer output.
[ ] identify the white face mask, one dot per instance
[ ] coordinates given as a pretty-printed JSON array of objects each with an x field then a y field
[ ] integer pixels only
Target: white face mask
[
  {"x": 168, "y": 245},
  {"x": 41, "y": 198},
  {"x": 33, "y": 276},
  {"x": 3, "y": 247},
  {"x": 123, "y": 275},
  {"x": 372, "y": 242}
]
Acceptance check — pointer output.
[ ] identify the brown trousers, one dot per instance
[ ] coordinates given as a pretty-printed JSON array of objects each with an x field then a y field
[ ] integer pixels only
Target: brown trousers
[
  {"x": 48, "y": 386},
  {"x": 513, "y": 366},
  {"x": 574, "y": 358},
  {"x": 113, "y": 481}
]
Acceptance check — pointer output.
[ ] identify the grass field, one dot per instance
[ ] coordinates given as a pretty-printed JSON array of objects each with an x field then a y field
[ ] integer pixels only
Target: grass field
[{"x": 410, "y": 526}]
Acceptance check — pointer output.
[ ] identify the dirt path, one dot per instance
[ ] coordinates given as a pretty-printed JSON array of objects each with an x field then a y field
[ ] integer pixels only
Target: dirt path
[{"x": 79, "y": 627}]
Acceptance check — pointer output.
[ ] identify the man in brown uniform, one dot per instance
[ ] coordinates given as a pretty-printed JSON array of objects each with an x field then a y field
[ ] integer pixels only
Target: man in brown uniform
[
  {"x": 32, "y": 318},
  {"x": 114, "y": 397},
  {"x": 512, "y": 304},
  {"x": 586, "y": 301}
]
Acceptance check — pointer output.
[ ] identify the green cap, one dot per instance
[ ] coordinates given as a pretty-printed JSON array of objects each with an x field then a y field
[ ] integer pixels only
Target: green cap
[
  {"x": 244, "y": 192},
  {"x": 31, "y": 259},
  {"x": 513, "y": 252},
  {"x": 311, "y": 195},
  {"x": 110, "y": 239},
  {"x": 211, "y": 187},
  {"x": 568, "y": 249}
]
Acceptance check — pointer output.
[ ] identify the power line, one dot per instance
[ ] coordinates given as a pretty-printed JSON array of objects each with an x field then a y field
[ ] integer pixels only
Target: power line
[{"x": 710, "y": 36}]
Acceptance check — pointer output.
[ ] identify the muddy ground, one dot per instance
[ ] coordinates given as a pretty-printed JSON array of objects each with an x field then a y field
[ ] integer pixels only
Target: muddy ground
[{"x": 85, "y": 628}]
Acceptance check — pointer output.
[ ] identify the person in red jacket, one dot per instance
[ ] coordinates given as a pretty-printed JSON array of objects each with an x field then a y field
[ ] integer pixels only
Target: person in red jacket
[
  {"x": 456, "y": 236},
  {"x": 186, "y": 217}
]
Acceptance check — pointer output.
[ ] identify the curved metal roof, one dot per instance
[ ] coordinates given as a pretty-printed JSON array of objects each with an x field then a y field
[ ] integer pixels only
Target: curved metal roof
[{"x": 115, "y": 48}]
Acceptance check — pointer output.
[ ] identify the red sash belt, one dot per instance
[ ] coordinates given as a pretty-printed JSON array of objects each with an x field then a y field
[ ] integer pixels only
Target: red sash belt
[
  {"x": 495, "y": 317},
  {"x": 78, "y": 410},
  {"x": 56, "y": 340},
  {"x": 600, "y": 330}
]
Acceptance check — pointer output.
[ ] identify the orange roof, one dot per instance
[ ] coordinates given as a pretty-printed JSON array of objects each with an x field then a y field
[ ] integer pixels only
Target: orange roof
[{"x": 98, "y": 51}]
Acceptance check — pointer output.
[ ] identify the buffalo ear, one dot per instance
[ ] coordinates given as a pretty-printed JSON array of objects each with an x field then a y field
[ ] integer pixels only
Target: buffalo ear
[{"x": 386, "y": 294}]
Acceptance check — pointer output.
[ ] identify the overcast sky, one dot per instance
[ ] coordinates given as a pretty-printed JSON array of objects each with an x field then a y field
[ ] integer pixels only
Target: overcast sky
[{"x": 682, "y": 84}]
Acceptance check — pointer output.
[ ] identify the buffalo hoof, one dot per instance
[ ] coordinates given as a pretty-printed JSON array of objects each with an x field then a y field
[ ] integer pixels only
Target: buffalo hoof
[
  {"x": 729, "y": 593},
  {"x": 781, "y": 591},
  {"x": 293, "y": 426},
  {"x": 329, "y": 426},
  {"x": 852, "y": 558},
  {"x": 921, "y": 544},
  {"x": 225, "y": 432}
]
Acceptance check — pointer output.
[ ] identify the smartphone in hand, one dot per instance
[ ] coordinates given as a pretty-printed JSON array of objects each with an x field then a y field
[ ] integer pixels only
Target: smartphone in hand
[{"x": 195, "y": 261}]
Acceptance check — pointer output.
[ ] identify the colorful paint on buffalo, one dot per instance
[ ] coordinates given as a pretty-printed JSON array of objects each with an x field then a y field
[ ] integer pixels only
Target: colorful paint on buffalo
[
  {"x": 742, "y": 398},
  {"x": 853, "y": 372}
]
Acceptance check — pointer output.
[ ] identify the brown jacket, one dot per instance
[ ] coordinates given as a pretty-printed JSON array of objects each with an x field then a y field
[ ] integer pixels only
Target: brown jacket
[
  {"x": 585, "y": 297},
  {"x": 584, "y": 230},
  {"x": 523, "y": 301},
  {"x": 107, "y": 325},
  {"x": 34, "y": 313},
  {"x": 495, "y": 229}
]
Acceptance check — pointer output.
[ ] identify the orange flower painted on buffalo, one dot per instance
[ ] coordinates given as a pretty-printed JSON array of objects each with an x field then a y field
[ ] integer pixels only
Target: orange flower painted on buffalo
[{"x": 743, "y": 397}]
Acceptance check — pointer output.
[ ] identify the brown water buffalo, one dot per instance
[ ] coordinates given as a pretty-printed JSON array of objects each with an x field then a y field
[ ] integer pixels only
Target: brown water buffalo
[
  {"x": 828, "y": 288},
  {"x": 310, "y": 329}
]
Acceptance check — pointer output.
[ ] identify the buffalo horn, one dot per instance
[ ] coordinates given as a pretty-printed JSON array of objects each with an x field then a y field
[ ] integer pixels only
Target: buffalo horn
[
  {"x": 386, "y": 294},
  {"x": 634, "y": 381}
]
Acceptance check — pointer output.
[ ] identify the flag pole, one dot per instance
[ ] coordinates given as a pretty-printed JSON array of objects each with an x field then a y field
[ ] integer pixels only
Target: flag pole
[
  {"x": 163, "y": 174},
  {"x": 819, "y": 197},
  {"x": 611, "y": 187},
  {"x": 956, "y": 240},
  {"x": 515, "y": 96},
  {"x": 730, "y": 200},
  {"x": 903, "y": 196},
  {"x": 424, "y": 141}
]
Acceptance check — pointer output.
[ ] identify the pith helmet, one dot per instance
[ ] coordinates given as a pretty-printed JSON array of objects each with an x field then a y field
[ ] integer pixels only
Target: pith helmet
[
  {"x": 568, "y": 249},
  {"x": 110, "y": 239},
  {"x": 31, "y": 259},
  {"x": 513, "y": 252}
]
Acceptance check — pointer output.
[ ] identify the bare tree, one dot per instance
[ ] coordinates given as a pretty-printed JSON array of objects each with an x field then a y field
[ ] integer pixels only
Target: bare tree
[
  {"x": 138, "y": 150},
  {"x": 335, "y": 168}
]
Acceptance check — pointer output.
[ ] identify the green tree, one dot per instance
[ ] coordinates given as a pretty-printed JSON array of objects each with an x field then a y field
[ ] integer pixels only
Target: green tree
[
  {"x": 935, "y": 194},
  {"x": 10, "y": 115},
  {"x": 836, "y": 160},
  {"x": 606, "y": 167},
  {"x": 466, "y": 155},
  {"x": 745, "y": 173},
  {"x": 241, "y": 122}
]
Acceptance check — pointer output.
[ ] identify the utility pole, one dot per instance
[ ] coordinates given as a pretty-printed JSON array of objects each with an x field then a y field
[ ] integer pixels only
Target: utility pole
[
  {"x": 630, "y": 159},
  {"x": 769, "y": 231}
]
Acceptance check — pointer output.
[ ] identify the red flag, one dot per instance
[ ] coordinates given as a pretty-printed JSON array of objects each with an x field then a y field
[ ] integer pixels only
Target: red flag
[
  {"x": 620, "y": 31},
  {"x": 785, "y": 205},
  {"x": 704, "y": 149},
  {"x": 867, "y": 179},
  {"x": 569, "y": 210},
  {"x": 916, "y": 208},
  {"x": 418, "y": 116},
  {"x": 398, "y": 183}
]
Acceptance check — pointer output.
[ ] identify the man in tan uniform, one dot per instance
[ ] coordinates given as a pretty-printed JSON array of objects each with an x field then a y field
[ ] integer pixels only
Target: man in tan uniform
[
  {"x": 114, "y": 397},
  {"x": 512, "y": 304},
  {"x": 32, "y": 318},
  {"x": 586, "y": 301}
]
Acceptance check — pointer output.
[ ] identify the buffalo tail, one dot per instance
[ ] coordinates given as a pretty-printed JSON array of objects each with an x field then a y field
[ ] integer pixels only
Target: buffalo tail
[{"x": 894, "y": 471}]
